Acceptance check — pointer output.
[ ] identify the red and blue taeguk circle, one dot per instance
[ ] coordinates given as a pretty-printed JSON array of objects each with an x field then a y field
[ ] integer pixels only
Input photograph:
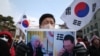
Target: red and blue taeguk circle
[
  {"x": 25, "y": 23},
  {"x": 81, "y": 9}
]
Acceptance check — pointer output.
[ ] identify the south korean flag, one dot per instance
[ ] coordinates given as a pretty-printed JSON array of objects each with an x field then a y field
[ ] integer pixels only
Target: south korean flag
[{"x": 79, "y": 13}]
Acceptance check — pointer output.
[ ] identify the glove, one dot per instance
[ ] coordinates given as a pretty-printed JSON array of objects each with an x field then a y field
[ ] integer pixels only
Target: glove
[{"x": 21, "y": 49}]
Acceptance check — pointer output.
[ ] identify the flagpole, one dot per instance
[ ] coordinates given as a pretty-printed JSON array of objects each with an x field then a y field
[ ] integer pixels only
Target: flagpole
[
  {"x": 13, "y": 39},
  {"x": 26, "y": 37}
]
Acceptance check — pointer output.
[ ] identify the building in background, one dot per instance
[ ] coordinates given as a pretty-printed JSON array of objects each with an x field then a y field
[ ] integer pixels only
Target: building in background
[{"x": 93, "y": 27}]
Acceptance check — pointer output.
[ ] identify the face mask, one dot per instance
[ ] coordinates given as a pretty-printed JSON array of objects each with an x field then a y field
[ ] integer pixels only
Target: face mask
[
  {"x": 5, "y": 39},
  {"x": 48, "y": 26}
]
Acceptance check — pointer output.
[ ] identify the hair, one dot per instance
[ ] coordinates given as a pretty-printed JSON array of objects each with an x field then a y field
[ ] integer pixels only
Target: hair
[
  {"x": 69, "y": 37},
  {"x": 44, "y": 16}
]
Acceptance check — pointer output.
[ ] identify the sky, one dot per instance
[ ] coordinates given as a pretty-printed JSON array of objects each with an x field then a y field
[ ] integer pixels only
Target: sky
[{"x": 33, "y": 8}]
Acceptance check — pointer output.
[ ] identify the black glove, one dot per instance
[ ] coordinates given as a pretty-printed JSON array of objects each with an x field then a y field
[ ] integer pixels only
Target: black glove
[{"x": 21, "y": 49}]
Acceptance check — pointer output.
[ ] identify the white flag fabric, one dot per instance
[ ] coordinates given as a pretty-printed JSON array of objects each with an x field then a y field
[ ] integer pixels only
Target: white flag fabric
[
  {"x": 79, "y": 13},
  {"x": 23, "y": 24}
]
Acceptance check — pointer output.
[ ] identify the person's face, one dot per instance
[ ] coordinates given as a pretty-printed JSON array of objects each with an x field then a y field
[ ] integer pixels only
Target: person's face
[
  {"x": 96, "y": 42},
  {"x": 48, "y": 23},
  {"x": 68, "y": 45},
  {"x": 36, "y": 43}
]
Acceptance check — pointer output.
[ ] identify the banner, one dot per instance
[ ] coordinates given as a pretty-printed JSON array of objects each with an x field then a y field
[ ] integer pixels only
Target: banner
[
  {"x": 62, "y": 43},
  {"x": 50, "y": 41}
]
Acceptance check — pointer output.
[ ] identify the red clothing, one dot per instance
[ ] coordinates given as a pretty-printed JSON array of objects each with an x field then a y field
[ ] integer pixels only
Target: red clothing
[{"x": 12, "y": 51}]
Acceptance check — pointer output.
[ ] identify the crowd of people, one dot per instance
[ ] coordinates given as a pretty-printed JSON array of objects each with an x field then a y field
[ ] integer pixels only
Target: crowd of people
[{"x": 34, "y": 48}]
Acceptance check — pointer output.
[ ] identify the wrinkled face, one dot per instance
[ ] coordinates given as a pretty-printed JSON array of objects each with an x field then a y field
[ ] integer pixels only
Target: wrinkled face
[
  {"x": 36, "y": 43},
  {"x": 48, "y": 23},
  {"x": 68, "y": 45}
]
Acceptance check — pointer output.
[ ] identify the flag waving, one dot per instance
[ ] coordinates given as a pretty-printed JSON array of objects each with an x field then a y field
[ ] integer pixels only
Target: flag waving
[
  {"x": 80, "y": 13},
  {"x": 23, "y": 24}
]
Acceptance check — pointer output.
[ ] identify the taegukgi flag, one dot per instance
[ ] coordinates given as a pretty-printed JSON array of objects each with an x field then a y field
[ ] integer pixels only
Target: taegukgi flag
[
  {"x": 79, "y": 13},
  {"x": 23, "y": 24}
]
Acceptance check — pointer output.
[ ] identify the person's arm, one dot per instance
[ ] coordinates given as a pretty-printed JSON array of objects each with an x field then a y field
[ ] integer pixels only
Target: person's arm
[{"x": 21, "y": 49}]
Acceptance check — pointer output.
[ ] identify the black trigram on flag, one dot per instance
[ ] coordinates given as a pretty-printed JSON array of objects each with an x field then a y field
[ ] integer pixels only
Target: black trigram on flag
[
  {"x": 60, "y": 36},
  {"x": 68, "y": 11},
  {"x": 77, "y": 22}
]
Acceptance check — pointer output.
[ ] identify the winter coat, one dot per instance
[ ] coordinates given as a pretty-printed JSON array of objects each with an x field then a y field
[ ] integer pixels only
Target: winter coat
[
  {"x": 4, "y": 49},
  {"x": 94, "y": 51}
]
